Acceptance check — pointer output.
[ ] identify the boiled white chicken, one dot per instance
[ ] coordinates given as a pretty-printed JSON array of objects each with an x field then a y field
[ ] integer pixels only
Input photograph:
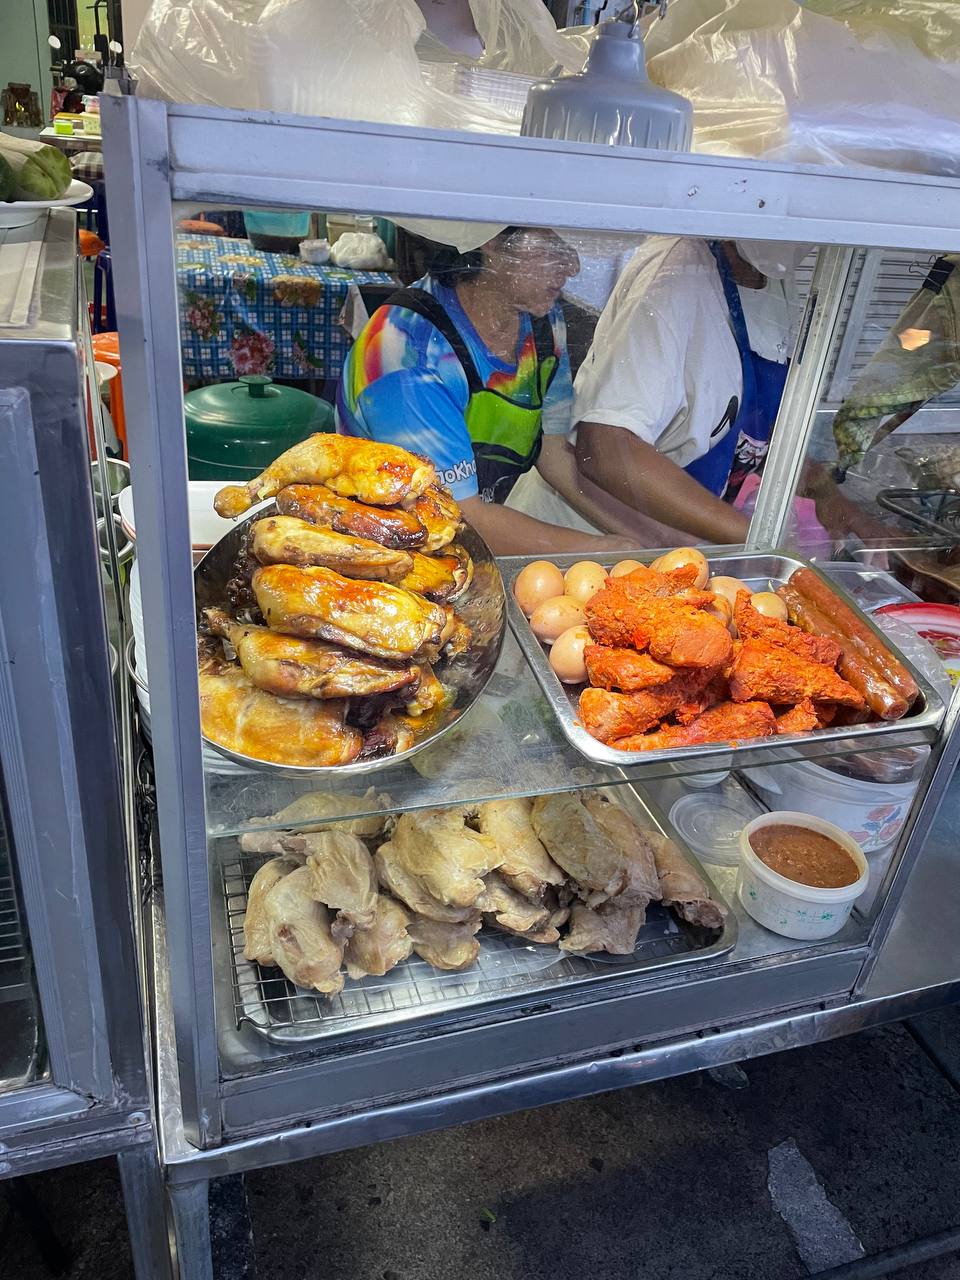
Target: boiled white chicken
[
  {"x": 256, "y": 921},
  {"x": 526, "y": 865},
  {"x": 383, "y": 944},
  {"x": 575, "y": 841},
  {"x": 447, "y": 858},
  {"x": 301, "y": 940},
  {"x": 642, "y": 884},
  {"x": 320, "y": 811},
  {"x": 344, "y": 878},
  {"x": 604, "y": 928},
  {"x": 394, "y": 877},
  {"x": 511, "y": 910},
  {"x": 446, "y": 946}
]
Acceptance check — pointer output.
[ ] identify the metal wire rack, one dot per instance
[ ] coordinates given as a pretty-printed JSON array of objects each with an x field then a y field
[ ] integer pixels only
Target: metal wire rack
[
  {"x": 507, "y": 967},
  {"x": 13, "y": 948}
]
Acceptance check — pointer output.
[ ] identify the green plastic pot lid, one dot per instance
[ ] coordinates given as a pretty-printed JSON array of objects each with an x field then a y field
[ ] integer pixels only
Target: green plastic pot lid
[{"x": 254, "y": 402}]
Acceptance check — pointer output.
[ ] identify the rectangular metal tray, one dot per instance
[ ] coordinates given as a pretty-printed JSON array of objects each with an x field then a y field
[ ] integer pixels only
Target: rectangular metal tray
[
  {"x": 507, "y": 969},
  {"x": 761, "y": 570}
]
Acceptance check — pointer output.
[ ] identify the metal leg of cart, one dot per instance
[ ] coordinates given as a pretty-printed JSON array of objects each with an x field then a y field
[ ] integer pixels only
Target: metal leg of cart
[
  {"x": 190, "y": 1205},
  {"x": 144, "y": 1197}
]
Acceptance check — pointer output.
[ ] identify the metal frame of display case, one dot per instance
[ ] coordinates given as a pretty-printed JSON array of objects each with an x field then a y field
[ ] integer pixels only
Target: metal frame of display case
[
  {"x": 60, "y": 750},
  {"x": 251, "y": 1108}
]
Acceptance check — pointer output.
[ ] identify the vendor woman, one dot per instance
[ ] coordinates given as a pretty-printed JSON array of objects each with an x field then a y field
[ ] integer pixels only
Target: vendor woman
[{"x": 470, "y": 367}]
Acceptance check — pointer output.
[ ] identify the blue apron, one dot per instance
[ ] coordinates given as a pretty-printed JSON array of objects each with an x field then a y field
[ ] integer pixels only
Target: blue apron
[{"x": 724, "y": 467}]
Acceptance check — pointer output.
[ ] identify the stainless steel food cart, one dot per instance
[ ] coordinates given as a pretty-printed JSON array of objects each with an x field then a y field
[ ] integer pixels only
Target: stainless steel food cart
[
  {"x": 73, "y": 1080},
  {"x": 240, "y": 1087}
]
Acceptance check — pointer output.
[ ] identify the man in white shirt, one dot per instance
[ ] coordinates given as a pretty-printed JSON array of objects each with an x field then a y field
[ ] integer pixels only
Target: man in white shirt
[{"x": 676, "y": 398}]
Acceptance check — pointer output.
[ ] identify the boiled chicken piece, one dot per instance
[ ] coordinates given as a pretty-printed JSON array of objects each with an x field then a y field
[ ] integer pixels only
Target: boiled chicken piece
[
  {"x": 344, "y": 877},
  {"x": 382, "y": 474},
  {"x": 439, "y": 578},
  {"x": 526, "y": 865},
  {"x": 684, "y": 889},
  {"x": 382, "y": 945},
  {"x": 287, "y": 540},
  {"x": 372, "y": 617},
  {"x": 301, "y": 731},
  {"x": 445, "y": 946},
  {"x": 256, "y": 922},
  {"x": 322, "y": 811},
  {"x": 511, "y": 910},
  {"x": 636, "y": 846},
  {"x": 390, "y": 526},
  {"x": 447, "y": 858},
  {"x": 439, "y": 515},
  {"x": 575, "y": 841},
  {"x": 605, "y": 928},
  {"x": 393, "y": 876},
  {"x": 301, "y": 940},
  {"x": 291, "y": 667}
]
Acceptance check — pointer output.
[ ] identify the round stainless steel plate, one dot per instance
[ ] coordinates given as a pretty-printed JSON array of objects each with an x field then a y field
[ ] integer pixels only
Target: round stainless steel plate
[{"x": 482, "y": 607}]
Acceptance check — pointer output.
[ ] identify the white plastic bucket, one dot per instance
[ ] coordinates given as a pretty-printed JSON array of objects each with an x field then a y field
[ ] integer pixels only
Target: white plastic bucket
[
  {"x": 871, "y": 813},
  {"x": 785, "y": 906}
]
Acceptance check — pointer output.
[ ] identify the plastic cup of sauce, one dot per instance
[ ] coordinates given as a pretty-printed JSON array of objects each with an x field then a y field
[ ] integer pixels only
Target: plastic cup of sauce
[{"x": 794, "y": 843}]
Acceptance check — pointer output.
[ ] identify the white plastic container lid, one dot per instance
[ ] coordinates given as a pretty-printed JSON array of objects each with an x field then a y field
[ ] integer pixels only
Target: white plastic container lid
[{"x": 711, "y": 824}]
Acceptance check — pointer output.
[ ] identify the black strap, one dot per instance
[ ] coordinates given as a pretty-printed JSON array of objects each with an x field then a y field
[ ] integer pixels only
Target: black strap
[
  {"x": 939, "y": 274},
  {"x": 426, "y": 305}
]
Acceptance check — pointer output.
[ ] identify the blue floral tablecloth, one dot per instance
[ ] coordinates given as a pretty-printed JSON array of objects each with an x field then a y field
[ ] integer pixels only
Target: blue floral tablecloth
[{"x": 245, "y": 311}]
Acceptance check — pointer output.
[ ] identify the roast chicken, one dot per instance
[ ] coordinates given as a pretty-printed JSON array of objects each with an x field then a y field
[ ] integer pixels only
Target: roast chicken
[
  {"x": 292, "y": 667},
  {"x": 382, "y": 474},
  {"x": 287, "y": 540},
  {"x": 298, "y": 731},
  {"x": 391, "y": 527},
  {"x": 373, "y": 617},
  {"x": 440, "y": 578},
  {"x": 440, "y": 516}
]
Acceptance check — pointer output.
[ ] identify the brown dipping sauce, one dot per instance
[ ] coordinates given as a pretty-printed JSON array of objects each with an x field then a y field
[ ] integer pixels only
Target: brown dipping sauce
[{"x": 804, "y": 856}]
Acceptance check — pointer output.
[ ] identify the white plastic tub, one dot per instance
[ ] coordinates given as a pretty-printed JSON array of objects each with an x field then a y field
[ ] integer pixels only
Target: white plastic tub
[
  {"x": 786, "y": 907},
  {"x": 872, "y": 813}
]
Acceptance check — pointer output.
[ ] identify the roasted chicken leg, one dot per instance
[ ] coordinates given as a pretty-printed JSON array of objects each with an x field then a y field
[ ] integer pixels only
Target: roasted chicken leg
[
  {"x": 374, "y": 617},
  {"x": 291, "y": 667},
  {"x": 287, "y": 540},
  {"x": 383, "y": 474},
  {"x": 390, "y": 526}
]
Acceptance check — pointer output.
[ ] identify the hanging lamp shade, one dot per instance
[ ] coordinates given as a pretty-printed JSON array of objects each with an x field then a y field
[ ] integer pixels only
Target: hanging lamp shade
[{"x": 611, "y": 101}]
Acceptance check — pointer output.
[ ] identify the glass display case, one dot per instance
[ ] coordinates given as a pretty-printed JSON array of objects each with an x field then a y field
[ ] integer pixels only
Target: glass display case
[{"x": 261, "y": 1062}]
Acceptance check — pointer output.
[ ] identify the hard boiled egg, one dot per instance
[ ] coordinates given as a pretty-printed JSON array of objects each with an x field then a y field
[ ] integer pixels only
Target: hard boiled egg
[
  {"x": 624, "y": 567},
  {"x": 566, "y": 655},
  {"x": 554, "y": 616},
  {"x": 583, "y": 580},
  {"x": 727, "y": 587},
  {"x": 684, "y": 556},
  {"x": 770, "y": 605},
  {"x": 537, "y": 582}
]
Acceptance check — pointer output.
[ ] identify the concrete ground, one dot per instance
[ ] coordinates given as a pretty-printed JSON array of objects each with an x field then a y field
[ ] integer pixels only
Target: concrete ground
[{"x": 792, "y": 1164}]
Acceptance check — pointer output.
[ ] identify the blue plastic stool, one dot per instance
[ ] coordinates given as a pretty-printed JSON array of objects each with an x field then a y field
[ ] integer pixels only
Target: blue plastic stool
[
  {"x": 94, "y": 211},
  {"x": 103, "y": 293}
]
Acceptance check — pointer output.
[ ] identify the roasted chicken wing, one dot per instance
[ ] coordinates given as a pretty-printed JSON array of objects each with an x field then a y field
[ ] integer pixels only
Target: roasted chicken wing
[
  {"x": 439, "y": 578},
  {"x": 526, "y": 865},
  {"x": 727, "y": 722},
  {"x": 256, "y": 922},
  {"x": 291, "y": 667},
  {"x": 300, "y": 731},
  {"x": 390, "y": 526},
  {"x": 383, "y": 944},
  {"x": 773, "y": 674},
  {"x": 439, "y": 515},
  {"x": 287, "y": 540},
  {"x": 383, "y": 474},
  {"x": 374, "y": 617},
  {"x": 445, "y": 946},
  {"x": 301, "y": 941}
]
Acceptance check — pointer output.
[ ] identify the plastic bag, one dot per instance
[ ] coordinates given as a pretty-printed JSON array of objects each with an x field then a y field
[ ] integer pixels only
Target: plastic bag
[
  {"x": 772, "y": 78},
  {"x": 361, "y": 251},
  {"x": 352, "y": 59}
]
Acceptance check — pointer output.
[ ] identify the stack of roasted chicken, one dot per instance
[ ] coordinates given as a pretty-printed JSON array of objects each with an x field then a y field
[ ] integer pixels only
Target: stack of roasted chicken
[
  {"x": 342, "y": 607},
  {"x": 365, "y": 893}
]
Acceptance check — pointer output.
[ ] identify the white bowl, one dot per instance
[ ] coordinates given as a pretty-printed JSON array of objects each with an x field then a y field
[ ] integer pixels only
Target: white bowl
[
  {"x": 786, "y": 907},
  {"x": 206, "y": 527}
]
